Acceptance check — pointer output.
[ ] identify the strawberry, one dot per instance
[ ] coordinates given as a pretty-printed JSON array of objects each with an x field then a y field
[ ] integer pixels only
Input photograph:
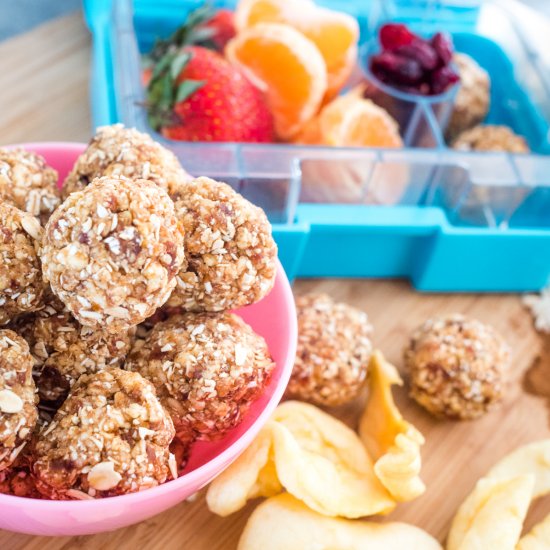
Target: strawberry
[
  {"x": 196, "y": 95},
  {"x": 222, "y": 25}
]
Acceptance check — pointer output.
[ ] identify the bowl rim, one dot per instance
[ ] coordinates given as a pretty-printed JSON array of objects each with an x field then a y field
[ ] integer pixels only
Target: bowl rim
[{"x": 221, "y": 461}]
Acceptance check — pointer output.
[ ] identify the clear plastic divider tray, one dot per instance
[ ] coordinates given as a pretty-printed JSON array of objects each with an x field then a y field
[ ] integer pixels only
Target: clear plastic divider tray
[{"x": 446, "y": 219}]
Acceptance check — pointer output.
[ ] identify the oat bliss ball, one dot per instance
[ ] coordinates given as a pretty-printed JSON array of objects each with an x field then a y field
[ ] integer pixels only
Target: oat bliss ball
[
  {"x": 457, "y": 367},
  {"x": 119, "y": 151},
  {"x": 231, "y": 255},
  {"x": 18, "y": 399},
  {"x": 21, "y": 284},
  {"x": 112, "y": 251},
  {"x": 28, "y": 182},
  {"x": 207, "y": 369},
  {"x": 333, "y": 353},
  {"x": 110, "y": 437}
]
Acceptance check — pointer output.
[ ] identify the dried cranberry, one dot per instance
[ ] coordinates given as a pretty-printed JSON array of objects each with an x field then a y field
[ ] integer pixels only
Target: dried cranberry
[
  {"x": 398, "y": 70},
  {"x": 443, "y": 45},
  {"x": 420, "y": 51},
  {"x": 413, "y": 64},
  {"x": 442, "y": 78},
  {"x": 393, "y": 35}
]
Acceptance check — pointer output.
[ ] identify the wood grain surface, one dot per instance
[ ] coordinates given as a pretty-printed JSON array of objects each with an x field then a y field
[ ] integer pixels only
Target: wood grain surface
[{"x": 44, "y": 96}]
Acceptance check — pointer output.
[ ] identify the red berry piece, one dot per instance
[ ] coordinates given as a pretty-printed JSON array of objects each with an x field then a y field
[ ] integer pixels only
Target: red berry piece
[
  {"x": 222, "y": 25},
  {"x": 393, "y": 35},
  {"x": 443, "y": 78},
  {"x": 420, "y": 51},
  {"x": 397, "y": 70},
  {"x": 443, "y": 45}
]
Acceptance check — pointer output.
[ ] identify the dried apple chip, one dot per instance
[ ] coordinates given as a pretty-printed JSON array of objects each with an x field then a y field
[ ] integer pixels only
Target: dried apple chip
[
  {"x": 313, "y": 456},
  {"x": 533, "y": 458},
  {"x": 284, "y": 523},
  {"x": 252, "y": 475},
  {"x": 392, "y": 441},
  {"x": 322, "y": 462},
  {"x": 492, "y": 515}
]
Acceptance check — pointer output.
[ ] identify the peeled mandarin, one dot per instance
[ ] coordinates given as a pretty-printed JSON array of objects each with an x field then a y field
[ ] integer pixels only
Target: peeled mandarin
[
  {"x": 335, "y": 33},
  {"x": 352, "y": 121},
  {"x": 288, "y": 67}
]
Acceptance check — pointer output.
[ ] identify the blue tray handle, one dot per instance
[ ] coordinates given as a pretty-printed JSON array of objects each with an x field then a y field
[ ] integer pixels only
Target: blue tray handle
[
  {"x": 97, "y": 16},
  {"x": 420, "y": 244}
]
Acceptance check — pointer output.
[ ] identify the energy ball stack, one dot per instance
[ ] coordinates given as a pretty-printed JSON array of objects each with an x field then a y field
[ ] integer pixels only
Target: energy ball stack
[
  {"x": 333, "y": 353},
  {"x": 110, "y": 437},
  {"x": 207, "y": 369},
  {"x": 21, "y": 284},
  {"x": 112, "y": 251},
  {"x": 231, "y": 255},
  {"x": 119, "y": 151},
  {"x": 29, "y": 183},
  {"x": 457, "y": 367},
  {"x": 133, "y": 232}
]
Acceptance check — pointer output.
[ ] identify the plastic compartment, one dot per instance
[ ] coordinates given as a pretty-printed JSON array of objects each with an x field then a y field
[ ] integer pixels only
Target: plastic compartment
[{"x": 445, "y": 219}]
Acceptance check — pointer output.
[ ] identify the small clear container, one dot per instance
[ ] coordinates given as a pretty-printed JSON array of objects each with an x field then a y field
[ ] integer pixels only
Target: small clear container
[{"x": 422, "y": 118}]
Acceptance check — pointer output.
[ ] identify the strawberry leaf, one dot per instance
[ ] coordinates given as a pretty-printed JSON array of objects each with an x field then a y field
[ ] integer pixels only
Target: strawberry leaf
[
  {"x": 161, "y": 65},
  {"x": 188, "y": 88},
  {"x": 186, "y": 34},
  {"x": 178, "y": 64}
]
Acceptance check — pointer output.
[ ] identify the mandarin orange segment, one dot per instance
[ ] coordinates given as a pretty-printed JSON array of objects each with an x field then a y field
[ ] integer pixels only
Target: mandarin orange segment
[
  {"x": 288, "y": 67},
  {"x": 352, "y": 121},
  {"x": 335, "y": 33}
]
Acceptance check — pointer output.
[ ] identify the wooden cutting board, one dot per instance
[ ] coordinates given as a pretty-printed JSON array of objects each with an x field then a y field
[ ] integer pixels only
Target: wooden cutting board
[
  {"x": 44, "y": 96},
  {"x": 455, "y": 454}
]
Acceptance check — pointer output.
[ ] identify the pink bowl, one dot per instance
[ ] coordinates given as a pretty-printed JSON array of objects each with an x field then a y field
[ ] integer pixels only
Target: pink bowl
[{"x": 274, "y": 318}]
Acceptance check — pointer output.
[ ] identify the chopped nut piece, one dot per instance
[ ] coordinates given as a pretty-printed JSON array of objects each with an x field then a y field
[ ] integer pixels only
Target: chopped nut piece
[
  {"x": 103, "y": 476},
  {"x": 197, "y": 377},
  {"x": 457, "y": 367},
  {"x": 126, "y": 283},
  {"x": 32, "y": 227},
  {"x": 29, "y": 183},
  {"x": 10, "y": 402},
  {"x": 119, "y": 151},
  {"x": 231, "y": 255},
  {"x": 95, "y": 446},
  {"x": 173, "y": 466},
  {"x": 333, "y": 353}
]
